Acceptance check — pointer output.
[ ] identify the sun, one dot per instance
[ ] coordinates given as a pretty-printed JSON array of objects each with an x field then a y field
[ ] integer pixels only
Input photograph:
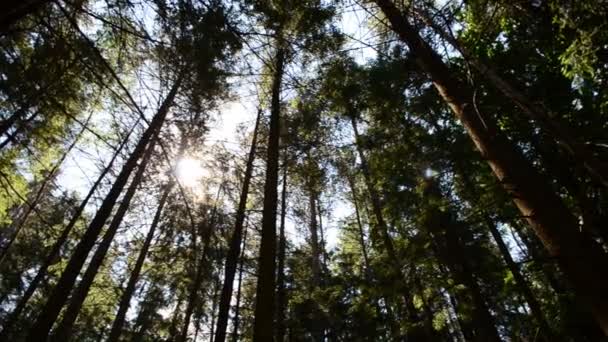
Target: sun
[{"x": 190, "y": 172}]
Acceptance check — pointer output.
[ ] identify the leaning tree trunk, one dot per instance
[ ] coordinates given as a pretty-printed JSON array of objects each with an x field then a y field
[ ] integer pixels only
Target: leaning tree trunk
[
  {"x": 581, "y": 258},
  {"x": 547, "y": 120},
  {"x": 522, "y": 285},
  {"x": 263, "y": 327},
  {"x": 381, "y": 228},
  {"x": 64, "y": 329},
  {"x": 281, "y": 290},
  {"x": 234, "y": 249},
  {"x": 56, "y": 248},
  {"x": 31, "y": 206},
  {"x": 130, "y": 289},
  {"x": 49, "y": 313}
]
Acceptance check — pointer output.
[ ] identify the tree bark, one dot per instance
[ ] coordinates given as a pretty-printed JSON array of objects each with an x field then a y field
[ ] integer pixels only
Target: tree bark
[
  {"x": 317, "y": 324},
  {"x": 281, "y": 290},
  {"x": 541, "y": 115},
  {"x": 56, "y": 301},
  {"x": 380, "y": 230},
  {"x": 199, "y": 276},
  {"x": 125, "y": 300},
  {"x": 522, "y": 285},
  {"x": 63, "y": 331},
  {"x": 314, "y": 239},
  {"x": 360, "y": 231},
  {"x": 446, "y": 234},
  {"x": 31, "y": 206},
  {"x": 581, "y": 259},
  {"x": 234, "y": 249},
  {"x": 263, "y": 327},
  {"x": 235, "y": 330},
  {"x": 56, "y": 248}
]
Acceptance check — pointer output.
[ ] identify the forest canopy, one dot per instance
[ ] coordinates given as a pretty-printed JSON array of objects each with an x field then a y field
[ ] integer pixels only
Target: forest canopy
[{"x": 303, "y": 170}]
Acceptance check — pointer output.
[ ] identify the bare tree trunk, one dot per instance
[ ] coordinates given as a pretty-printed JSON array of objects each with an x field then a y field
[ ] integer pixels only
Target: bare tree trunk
[
  {"x": 281, "y": 295},
  {"x": 237, "y": 309},
  {"x": 541, "y": 115},
  {"x": 48, "y": 315},
  {"x": 63, "y": 331},
  {"x": 381, "y": 228},
  {"x": 193, "y": 297},
  {"x": 235, "y": 242},
  {"x": 125, "y": 300},
  {"x": 56, "y": 248},
  {"x": 31, "y": 206},
  {"x": 581, "y": 258},
  {"x": 263, "y": 327},
  {"x": 317, "y": 328}
]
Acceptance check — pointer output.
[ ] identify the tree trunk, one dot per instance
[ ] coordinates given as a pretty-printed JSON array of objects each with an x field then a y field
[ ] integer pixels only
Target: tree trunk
[
  {"x": 581, "y": 259},
  {"x": 216, "y": 290},
  {"x": 548, "y": 121},
  {"x": 281, "y": 295},
  {"x": 522, "y": 284},
  {"x": 360, "y": 231},
  {"x": 234, "y": 249},
  {"x": 63, "y": 331},
  {"x": 263, "y": 327},
  {"x": 49, "y": 313},
  {"x": 380, "y": 230},
  {"x": 235, "y": 323},
  {"x": 314, "y": 239},
  {"x": 31, "y": 206},
  {"x": 56, "y": 248},
  {"x": 130, "y": 289},
  {"x": 446, "y": 235},
  {"x": 317, "y": 330},
  {"x": 199, "y": 276}
]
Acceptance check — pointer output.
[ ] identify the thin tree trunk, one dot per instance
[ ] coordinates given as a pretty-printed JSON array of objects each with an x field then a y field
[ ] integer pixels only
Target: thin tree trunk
[
  {"x": 263, "y": 327},
  {"x": 198, "y": 276},
  {"x": 314, "y": 239},
  {"x": 216, "y": 290},
  {"x": 52, "y": 173},
  {"x": 235, "y": 331},
  {"x": 234, "y": 249},
  {"x": 175, "y": 319},
  {"x": 317, "y": 326},
  {"x": 366, "y": 263},
  {"x": 381, "y": 227},
  {"x": 142, "y": 321},
  {"x": 48, "y": 315},
  {"x": 63, "y": 331},
  {"x": 56, "y": 248},
  {"x": 281, "y": 291},
  {"x": 322, "y": 235},
  {"x": 581, "y": 259},
  {"x": 450, "y": 253},
  {"x": 360, "y": 231},
  {"x": 547, "y": 120},
  {"x": 125, "y": 300},
  {"x": 522, "y": 284}
]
